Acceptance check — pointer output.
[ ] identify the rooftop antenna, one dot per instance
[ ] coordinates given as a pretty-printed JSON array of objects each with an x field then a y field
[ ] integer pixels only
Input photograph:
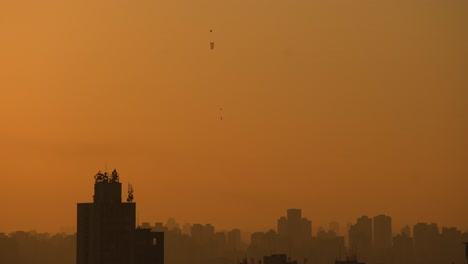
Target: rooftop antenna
[{"x": 130, "y": 193}]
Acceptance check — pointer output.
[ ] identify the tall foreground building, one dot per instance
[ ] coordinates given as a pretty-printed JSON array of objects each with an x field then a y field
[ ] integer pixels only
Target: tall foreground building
[{"x": 106, "y": 232}]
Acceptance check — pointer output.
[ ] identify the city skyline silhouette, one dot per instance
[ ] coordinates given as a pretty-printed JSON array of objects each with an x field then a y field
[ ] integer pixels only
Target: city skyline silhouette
[
  {"x": 108, "y": 232},
  {"x": 228, "y": 114}
]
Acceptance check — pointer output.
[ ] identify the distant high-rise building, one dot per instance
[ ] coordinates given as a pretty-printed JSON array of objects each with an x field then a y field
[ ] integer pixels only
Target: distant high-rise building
[
  {"x": 382, "y": 251},
  {"x": 364, "y": 224},
  {"x": 306, "y": 228},
  {"x": 360, "y": 238},
  {"x": 159, "y": 227},
  {"x": 451, "y": 248},
  {"x": 271, "y": 241},
  {"x": 282, "y": 228},
  {"x": 186, "y": 229},
  {"x": 218, "y": 247},
  {"x": 172, "y": 224},
  {"x": 293, "y": 232},
  {"x": 382, "y": 232},
  {"x": 406, "y": 231},
  {"x": 209, "y": 230},
  {"x": 295, "y": 225},
  {"x": 202, "y": 234},
  {"x": 220, "y": 238},
  {"x": 294, "y": 213},
  {"x": 196, "y": 233},
  {"x": 106, "y": 228},
  {"x": 146, "y": 225},
  {"x": 426, "y": 243},
  {"x": 403, "y": 248},
  {"x": 334, "y": 226},
  {"x": 234, "y": 239},
  {"x": 329, "y": 246},
  {"x": 256, "y": 238}
]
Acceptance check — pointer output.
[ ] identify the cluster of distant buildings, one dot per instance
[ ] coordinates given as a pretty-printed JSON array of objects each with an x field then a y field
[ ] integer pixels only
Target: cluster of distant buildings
[
  {"x": 106, "y": 233},
  {"x": 369, "y": 240},
  {"x": 372, "y": 239}
]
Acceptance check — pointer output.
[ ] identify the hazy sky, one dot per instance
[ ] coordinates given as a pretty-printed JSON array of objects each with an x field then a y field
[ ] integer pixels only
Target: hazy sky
[{"x": 338, "y": 107}]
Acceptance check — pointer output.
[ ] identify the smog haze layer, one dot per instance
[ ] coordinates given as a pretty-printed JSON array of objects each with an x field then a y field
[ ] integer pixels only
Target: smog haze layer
[{"x": 339, "y": 107}]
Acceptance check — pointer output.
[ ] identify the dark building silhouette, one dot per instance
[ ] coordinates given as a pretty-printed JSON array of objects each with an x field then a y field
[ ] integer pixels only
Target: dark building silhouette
[
  {"x": 349, "y": 260},
  {"x": 106, "y": 231},
  {"x": 219, "y": 244},
  {"x": 403, "y": 252},
  {"x": 295, "y": 225},
  {"x": 149, "y": 246},
  {"x": 382, "y": 239},
  {"x": 306, "y": 229},
  {"x": 294, "y": 233},
  {"x": 426, "y": 243},
  {"x": 234, "y": 240},
  {"x": 202, "y": 235},
  {"x": 382, "y": 232},
  {"x": 262, "y": 244},
  {"x": 466, "y": 251},
  {"x": 282, "y": 227},
  {"x": 329, "y": 247},
  {"x": 172, "y": 224},
  {"x": 451, "y": 246},
  {"x": 277, "y": 259},
  {"x": 334, "y": 226},
  {"x": 106, "y": 217},
  {"x": 186, "y": 229},
  {"x": 159, "y": 227},
  {"x": 360, "y": 238}
]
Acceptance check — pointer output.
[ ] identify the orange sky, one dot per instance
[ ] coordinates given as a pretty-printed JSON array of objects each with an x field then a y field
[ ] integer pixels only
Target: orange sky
[{"x": 338, "y": 107}]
